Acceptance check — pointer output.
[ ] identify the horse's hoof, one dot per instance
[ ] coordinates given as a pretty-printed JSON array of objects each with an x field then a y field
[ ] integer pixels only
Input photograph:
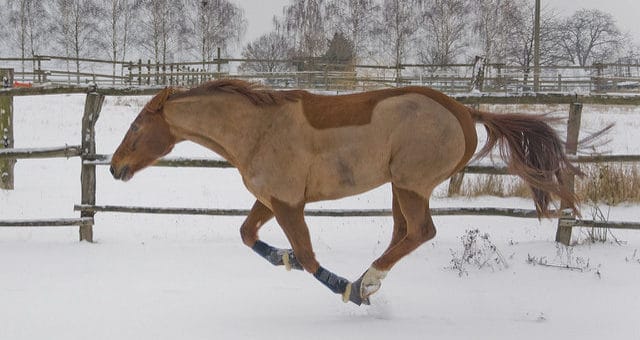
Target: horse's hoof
[
  {"x": 353, "y": 293},
  {"x": 369, "y": 288},
  {"x": 368, "y": 284}
]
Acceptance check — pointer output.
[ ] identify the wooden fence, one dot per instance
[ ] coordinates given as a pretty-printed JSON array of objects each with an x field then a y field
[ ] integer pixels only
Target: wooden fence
[
  {"x": 88, "y": 206},
  {"x": 318, "y": 74}
]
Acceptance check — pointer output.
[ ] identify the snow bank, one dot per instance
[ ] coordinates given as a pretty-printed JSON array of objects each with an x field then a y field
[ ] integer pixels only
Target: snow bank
[{"x": 190, "y": 277}]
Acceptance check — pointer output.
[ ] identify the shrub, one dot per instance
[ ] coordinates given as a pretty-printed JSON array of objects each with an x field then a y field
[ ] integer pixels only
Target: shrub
[{"x": 477, "y": 250}]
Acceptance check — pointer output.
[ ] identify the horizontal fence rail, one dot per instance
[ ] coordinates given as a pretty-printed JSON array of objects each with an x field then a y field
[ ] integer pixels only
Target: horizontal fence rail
[
  {"x": 319, "y": 73},
  {"x": 52, "y": 152},
  {"x": 58, "y": 222},
  {"x": 469, "y": 99},
  {"x": 599, "y": 224},
  {"x": 102, "y": 159},
  {"x": 168, "y": 162},
  {"x": 508, "y": 212}
]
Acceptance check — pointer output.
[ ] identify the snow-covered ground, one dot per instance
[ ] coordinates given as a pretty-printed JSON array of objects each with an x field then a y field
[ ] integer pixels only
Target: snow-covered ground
[{"x": 190, "y": 277}]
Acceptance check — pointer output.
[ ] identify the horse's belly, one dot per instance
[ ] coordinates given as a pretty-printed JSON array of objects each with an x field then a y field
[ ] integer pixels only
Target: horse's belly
[{"x": 337, "y": 176}]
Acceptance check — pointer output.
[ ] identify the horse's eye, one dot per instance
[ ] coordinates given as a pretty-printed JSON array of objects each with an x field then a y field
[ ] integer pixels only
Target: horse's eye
[{"x": 134, "y": 128}]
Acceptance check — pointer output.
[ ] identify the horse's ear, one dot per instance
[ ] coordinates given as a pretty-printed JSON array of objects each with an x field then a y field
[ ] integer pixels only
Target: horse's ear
[{"x": 157, "y": 102}]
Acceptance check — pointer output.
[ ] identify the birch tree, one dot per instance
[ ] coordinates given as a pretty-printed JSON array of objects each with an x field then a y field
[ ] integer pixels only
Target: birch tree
[
  {"x": 304, "y": 22},
  {"x": 445, "y": 27},
  {"x": 77, "y": 28},
  {"x": 397, "y": 28},
  {"x": 215, "y": 24},
  {"x": 28, "y": 18},
  {"x": 163, "y": 28},
  {"x": 355, "y": 19},
  {"x": 118, "y": 26},
  {"x": 493, "y": 20}
]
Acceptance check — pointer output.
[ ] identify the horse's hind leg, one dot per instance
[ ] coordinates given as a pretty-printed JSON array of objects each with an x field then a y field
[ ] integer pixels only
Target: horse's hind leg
[
  {"x": 258, "y": 216},
  {"x": 419, "y": 229},
  {"x": 399, "y": 222}
]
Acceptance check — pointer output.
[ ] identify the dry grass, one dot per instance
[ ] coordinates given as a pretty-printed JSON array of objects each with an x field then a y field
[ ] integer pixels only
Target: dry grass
[
  {"x": 610, "y": 184},
  {"x": 495, "y": 185}
]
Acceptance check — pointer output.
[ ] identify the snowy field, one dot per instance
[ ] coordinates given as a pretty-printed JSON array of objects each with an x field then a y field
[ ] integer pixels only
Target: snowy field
[{"x": 177, "y": 277}]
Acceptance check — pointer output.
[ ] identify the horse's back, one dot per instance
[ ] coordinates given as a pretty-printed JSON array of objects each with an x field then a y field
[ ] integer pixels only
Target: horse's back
[{"x": 403, "y": 137}]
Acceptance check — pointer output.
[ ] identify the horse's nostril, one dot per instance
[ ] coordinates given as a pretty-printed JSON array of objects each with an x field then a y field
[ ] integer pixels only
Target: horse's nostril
[{"x": 112, "y": 170}]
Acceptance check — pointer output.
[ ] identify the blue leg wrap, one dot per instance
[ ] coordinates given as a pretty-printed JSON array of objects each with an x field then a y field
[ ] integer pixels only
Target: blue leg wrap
[
  {"x": 275, "y": 255},
  {"x": 334, "y": 282}
]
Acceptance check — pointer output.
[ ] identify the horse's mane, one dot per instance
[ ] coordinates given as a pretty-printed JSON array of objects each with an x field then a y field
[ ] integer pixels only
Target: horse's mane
[{"x": 254, "y": 92}]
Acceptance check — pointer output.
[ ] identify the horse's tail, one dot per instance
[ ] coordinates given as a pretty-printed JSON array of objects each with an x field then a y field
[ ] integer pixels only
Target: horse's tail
[{"x": 532, "y": 150}]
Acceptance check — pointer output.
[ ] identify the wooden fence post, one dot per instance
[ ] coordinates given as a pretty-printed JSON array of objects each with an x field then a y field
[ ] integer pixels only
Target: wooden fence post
[
  {"x": 218, "y": 63},
  {"x": 477, "y": 80},
  {"x": 6, "y": 131},
  {"x": 41, "y": 77},
  {"x": 559, "y": 82},
  {"x": 92, "y": 107},
  {"x": 157, "y": 71},
  {"x": 599, "y": 81},
  {"x": 148, "y": 72},
  {"x": 563, "y": 233},
  {"x": 130, "y": 76}
]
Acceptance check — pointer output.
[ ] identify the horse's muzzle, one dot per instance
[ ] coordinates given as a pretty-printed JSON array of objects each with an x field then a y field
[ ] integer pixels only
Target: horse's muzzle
[{"x": 124, "y": 173}]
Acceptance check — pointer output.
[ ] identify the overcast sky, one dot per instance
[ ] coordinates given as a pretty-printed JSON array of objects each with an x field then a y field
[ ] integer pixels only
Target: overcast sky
[{"x": 626, "y": 13}]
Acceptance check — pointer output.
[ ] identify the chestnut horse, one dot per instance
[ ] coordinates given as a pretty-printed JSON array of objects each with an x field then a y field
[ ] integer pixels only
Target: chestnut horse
[{"x": 295, "y": 147}]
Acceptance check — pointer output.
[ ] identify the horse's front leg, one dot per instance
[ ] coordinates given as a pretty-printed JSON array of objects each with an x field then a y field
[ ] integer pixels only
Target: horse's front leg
[
  {"x": 258, "y": 216},
  {"x": 291, "y": 219}
]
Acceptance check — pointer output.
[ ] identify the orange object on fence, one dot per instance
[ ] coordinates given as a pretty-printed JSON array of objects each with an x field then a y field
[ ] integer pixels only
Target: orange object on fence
[{"x": 20, "y": 84}]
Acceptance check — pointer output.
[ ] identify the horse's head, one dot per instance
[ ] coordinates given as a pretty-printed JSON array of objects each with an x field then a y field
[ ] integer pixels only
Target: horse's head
[{"x": 148, "y": 139}]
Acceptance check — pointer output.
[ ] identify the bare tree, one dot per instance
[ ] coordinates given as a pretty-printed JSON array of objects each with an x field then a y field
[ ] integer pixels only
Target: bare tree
[
  {"x": 163, "y": 28},
  {"x": 493, "y": 20},
  {"x": 303, "y": 20},
  {"x": 355, "y": 19},
  {"x": 590, "y": 35},
  {"x": 83, "y": 23},
  {"x": 519, "y": 50},
  {"x": 445, "y": 25},
  {"x": 77, "y": 28},
  {"x": 216, "y": 24},
  {"x": 29, "y": 20},
  {"x": 268, "y": 51},
  {"x": 400, "y": 20},
  {"x": 118, "y": 24},
  {"x": 4, "y": 33},
  {"x": 62, "y": 27}
]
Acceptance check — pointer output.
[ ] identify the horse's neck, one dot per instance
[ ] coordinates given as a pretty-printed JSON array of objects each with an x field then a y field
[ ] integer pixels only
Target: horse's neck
[{"x": 229, "y": 128}]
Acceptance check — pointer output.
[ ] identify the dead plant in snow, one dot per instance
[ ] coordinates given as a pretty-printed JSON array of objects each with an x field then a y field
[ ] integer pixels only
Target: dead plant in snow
[
  {"x": 565, "y": 259},
  {"x": 479, "y": 251}
]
